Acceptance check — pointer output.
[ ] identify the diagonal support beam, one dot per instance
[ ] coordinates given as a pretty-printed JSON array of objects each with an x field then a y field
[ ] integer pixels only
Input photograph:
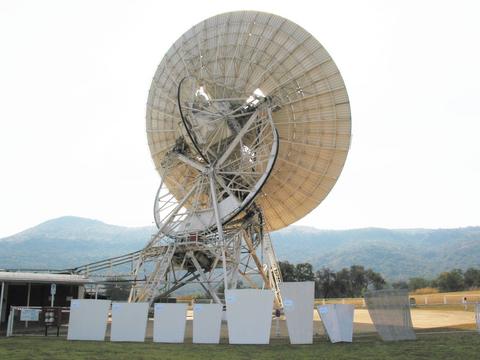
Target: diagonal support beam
[
  {"x": 211, "y": 290},
  {"x": 237, "y": 139},
  {"x": 213, "y": 191}
]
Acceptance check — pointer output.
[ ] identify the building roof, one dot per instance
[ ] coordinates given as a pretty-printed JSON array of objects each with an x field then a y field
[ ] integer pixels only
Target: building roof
[{"x": 17, "y": 276}]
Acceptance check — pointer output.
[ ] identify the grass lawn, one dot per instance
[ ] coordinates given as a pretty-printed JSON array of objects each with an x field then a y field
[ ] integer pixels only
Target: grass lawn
[{"x": 455, "y": 345}]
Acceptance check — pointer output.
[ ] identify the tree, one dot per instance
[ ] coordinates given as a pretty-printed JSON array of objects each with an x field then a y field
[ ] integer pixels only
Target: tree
[
  {"x": 304, "y": 272},
  {"x": 348, "y": 282},
  {"x": 324, "y": 283},
  {"x": 433, "y": 283},
  {"x": 451, "y": 281},
  {"x": 287, "y": 270},
  {"x": 342, "y": 284},
  {"x": 358, "y": 280},
  {"x": 375, "y": 279},
  {"x": 417, "y": 283},
  {"x": 471, "y": 278},
  {"x": 400, "y": 285}
]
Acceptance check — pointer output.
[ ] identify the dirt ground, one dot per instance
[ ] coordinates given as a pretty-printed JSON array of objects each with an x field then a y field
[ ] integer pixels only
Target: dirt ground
[
  {"x": 426, "y": 319},
  {"x": 422, "y": 319}
]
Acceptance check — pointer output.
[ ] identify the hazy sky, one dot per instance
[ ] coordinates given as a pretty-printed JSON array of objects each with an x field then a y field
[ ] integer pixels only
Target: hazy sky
[{"x": 74, "y": 78}]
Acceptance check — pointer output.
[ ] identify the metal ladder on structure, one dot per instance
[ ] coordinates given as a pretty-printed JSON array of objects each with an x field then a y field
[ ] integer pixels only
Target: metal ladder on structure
[
  {"x": 150, "y": 288},
  {"x": 274, "y": 274}
]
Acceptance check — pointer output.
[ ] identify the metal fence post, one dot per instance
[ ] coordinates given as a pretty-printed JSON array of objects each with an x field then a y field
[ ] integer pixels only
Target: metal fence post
[{"x": 10, "y": 322}]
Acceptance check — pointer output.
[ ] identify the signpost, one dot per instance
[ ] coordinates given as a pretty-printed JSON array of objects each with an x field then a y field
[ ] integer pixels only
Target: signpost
[{"x": 53, "y": 291}]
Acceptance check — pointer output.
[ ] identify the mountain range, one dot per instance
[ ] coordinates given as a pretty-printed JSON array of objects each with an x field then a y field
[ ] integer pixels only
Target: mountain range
[{"x": 69, "y": 241}]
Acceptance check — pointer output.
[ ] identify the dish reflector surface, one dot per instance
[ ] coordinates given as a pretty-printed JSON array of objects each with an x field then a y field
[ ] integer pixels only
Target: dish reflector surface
[{"x": 252, "y": 54}]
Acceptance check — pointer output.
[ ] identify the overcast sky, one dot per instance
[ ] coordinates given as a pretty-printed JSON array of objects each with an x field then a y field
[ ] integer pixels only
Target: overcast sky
[{"x": 74, "y": 78}]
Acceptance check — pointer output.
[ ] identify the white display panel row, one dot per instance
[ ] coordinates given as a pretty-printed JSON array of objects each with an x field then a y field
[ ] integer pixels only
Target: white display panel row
[
  {"x": 248, "y": 314},
  {"x": 88, "y": 321}
]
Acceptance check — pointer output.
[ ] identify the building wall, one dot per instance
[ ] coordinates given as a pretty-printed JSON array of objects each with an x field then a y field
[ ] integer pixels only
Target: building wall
[{"x": 39, "y": 295}]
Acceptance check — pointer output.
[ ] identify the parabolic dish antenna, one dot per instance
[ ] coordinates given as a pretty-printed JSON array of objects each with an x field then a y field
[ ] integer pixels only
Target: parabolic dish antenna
[{"x": 248, "y": 124}]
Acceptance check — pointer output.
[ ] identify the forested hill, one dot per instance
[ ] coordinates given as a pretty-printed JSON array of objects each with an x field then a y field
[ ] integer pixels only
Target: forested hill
[{"x": 396, "y": 254}]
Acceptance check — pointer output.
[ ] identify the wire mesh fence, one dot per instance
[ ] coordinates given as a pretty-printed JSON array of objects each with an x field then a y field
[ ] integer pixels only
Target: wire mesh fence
[{"x": 23, "y": 320}]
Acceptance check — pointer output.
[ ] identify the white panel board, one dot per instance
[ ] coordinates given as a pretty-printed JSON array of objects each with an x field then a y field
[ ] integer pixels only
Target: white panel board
[
  {"x": 207, "y": 320},
  {"x": 249, "y": 316},
  {"x": 298, "y": 300},
  {"x": 88, "y": 319},
  {"x": 169, "y": 323},
  {"x": 129, "y": 321},
  {"x": 338, "y": 321}
]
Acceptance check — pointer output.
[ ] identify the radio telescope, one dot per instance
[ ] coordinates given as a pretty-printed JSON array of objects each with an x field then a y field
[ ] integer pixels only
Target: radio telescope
[{"x": 248, "y": 124}]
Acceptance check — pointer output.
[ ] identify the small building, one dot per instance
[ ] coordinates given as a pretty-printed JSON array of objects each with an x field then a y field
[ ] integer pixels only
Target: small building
[{"x": 33, "y": 289}]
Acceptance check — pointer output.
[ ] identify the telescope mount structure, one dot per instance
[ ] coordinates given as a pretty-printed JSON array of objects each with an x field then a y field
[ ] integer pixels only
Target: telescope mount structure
[{"x": 248, "y": 124}]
